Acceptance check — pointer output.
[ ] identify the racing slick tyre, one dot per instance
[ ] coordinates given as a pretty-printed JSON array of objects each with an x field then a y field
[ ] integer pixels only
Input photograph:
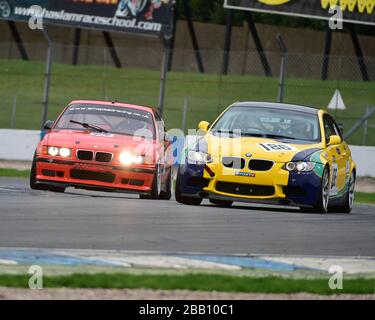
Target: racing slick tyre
[
  {"x": 221, "y": 203},
  {"x": 323, "y": 200},
  {"x": 33, "y": 184},
  {"x": 166, "y": 195},
  {"x": 155, "y": 189},
  {"x": 349, "y": 198},
  {"x": 182, "y": 199}
]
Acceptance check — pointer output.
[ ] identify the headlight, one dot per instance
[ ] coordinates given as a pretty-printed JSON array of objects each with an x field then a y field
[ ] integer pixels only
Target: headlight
[
  {"x": 53, "y": 151},
  {"x": 299, "y": 166},
  {"x": 65, "y": 152},
  {"x": 127, "y": 158},
  {"x": 196, "y": 157},
  {"x": 62, "y": 152}
]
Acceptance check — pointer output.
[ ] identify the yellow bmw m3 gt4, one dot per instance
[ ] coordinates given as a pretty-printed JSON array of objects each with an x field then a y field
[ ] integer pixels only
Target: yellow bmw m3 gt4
[{"x": 269, "y": 153}]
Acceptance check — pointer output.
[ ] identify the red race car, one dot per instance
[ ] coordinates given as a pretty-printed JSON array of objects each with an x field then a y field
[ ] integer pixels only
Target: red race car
[{"x": 104, "y": 146}]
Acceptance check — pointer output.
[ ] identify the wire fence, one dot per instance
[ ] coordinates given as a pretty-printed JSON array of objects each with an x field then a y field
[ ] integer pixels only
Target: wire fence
[{"x": 205, "y": 94}]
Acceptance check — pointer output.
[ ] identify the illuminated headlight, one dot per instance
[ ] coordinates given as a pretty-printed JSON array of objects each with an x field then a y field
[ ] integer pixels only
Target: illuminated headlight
[
  {"x": 53, "y": 151},
  {"x": 299, "y": 166},
  {"x": 127, "y": 158},
  {"x": 196, "y": 157},
  {"x": 62, "y": 152},
  {"x": 65, "y": 152}
]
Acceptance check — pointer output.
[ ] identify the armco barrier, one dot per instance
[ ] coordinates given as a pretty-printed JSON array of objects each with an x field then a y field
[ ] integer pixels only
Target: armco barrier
[{"x": 20, "y": 145}]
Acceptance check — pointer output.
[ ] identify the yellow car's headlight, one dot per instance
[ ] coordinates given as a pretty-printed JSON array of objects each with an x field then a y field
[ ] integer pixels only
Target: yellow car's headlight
[
  {"x": 197, "y": 157},
  {"x": 300, "y": 166}
]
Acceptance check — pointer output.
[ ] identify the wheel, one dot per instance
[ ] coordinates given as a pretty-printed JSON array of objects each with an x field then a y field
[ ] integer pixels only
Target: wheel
[
  {"x": 167, "y": 194},
  {"x": 156, "y": 187},
  {"x": 33, "y": 183},
  {"x": 323, "y": 200},
  {"x": 183, "y": 199},
  {"x": 221, "y": 203},
  {"x": 348, "y": 198}
]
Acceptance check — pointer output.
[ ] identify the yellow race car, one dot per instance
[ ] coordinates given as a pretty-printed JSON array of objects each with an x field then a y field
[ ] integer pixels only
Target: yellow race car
[{"x": 269, "y": 153}]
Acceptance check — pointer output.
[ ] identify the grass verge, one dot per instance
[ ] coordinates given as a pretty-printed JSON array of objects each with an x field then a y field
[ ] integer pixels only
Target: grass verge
[
  {"x": 194, "y": 282},
  {"x": 363, "y": 197},
  {"x": 14, "y": 173}
]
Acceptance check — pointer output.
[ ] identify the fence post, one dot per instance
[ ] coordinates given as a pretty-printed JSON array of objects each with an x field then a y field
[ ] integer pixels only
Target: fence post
[
  {"x": 47, "y": 76},
  {"x": 13, "y": 124},
  {"x": 184, "y": 112},
  {"x": 365, "y": 129},
  {"x": 284, "y": 60}
]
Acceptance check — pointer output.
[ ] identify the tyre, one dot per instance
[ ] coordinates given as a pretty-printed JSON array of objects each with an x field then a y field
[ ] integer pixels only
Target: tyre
[
  {"x": 33, "y": 183},
  {"x": 156, "y": 187},
  {"x": 167, "y": 194},
  {"x": 322, "y": 203},
  {"x": 221, "y": 203},
  {"x": 348, "y": 198},
  {"x": 183, "y": 199}
]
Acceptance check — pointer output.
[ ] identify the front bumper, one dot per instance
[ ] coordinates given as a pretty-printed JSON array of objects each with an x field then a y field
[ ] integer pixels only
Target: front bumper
[
  {"x": 94, "y": 176},
  {"x": 275, "y": 186}
]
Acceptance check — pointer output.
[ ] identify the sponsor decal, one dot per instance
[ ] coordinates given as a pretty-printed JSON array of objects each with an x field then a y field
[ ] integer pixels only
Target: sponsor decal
[
  {"x": 101, "y": 134},
  {"x": 245, "y": 174},
  {"x": 277, "y": 147}
]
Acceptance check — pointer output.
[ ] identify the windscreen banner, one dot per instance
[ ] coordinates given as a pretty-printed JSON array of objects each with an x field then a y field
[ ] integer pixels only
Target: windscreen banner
[
  {"x": 135, "y": 16},
  {"x": 354, "y": 11}
]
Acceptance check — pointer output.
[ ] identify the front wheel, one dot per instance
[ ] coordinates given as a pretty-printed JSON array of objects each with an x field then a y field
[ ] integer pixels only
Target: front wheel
[
  {"x": 167, "y": 194},
  {"x": 191, "y": 201},
  {"x": 321, "y": 205},
  {"x": 33, "y": 182},
  {"x": 156, "y": 187}
]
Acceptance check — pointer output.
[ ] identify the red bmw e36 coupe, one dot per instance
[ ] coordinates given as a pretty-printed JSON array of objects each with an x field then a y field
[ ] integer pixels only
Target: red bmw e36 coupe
[{"x": 104, "y": 146}]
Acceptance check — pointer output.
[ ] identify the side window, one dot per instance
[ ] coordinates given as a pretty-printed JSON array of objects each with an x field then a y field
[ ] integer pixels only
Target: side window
[
  {"x": 329, "y": 127},
  {"x": 160, "y": 126}
]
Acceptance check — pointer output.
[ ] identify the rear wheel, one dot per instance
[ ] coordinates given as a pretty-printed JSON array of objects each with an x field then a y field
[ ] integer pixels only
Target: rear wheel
[
  {"x": 323, "y": 199},
  {"x": 348, "y": 198},
  {"x": 167, "y": 194},
  {"x": 33, "y": 182},
  {"x": 221, "y": 203},
  {"x": 183, "y": 199}
]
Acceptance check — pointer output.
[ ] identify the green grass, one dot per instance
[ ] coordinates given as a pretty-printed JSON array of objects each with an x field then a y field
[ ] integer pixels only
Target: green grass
[
  {"x": 14, "y": 173},
  {"x": 195, "y": 282},
  {"x": 363, "y": 197},
  {"x": 208, "y": 94}
]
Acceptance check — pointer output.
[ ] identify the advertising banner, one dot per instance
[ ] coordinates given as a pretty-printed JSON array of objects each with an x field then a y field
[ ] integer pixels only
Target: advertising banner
[
  {"x": 354, "y": 11},
  {"x": 136, "y": 16}
]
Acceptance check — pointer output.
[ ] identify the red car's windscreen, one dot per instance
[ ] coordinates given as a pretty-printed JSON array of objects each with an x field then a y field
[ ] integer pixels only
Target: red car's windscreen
[{"x": 117, "y": 120}]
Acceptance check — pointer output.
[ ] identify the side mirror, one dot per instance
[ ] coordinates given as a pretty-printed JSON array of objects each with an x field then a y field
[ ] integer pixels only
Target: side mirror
[
  {"x": 334, "y": 140},
  {"x": 341, "y": 128},
  {"x": 204, "y": 126},
  {"x": 48, "y": 125}
]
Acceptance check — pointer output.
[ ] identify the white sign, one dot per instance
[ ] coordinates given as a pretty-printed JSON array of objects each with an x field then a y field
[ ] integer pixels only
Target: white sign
[{"x": 337, "y": 103}]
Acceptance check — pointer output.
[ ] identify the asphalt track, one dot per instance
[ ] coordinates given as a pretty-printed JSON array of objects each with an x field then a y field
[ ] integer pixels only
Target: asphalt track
[{"x": 92, "y": 220}]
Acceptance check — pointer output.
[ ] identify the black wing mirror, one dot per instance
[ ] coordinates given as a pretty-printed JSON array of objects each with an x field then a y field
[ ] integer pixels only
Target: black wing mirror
[
  {"x": 341, "y": 128},
  {"x": 48, "y": 125}
]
